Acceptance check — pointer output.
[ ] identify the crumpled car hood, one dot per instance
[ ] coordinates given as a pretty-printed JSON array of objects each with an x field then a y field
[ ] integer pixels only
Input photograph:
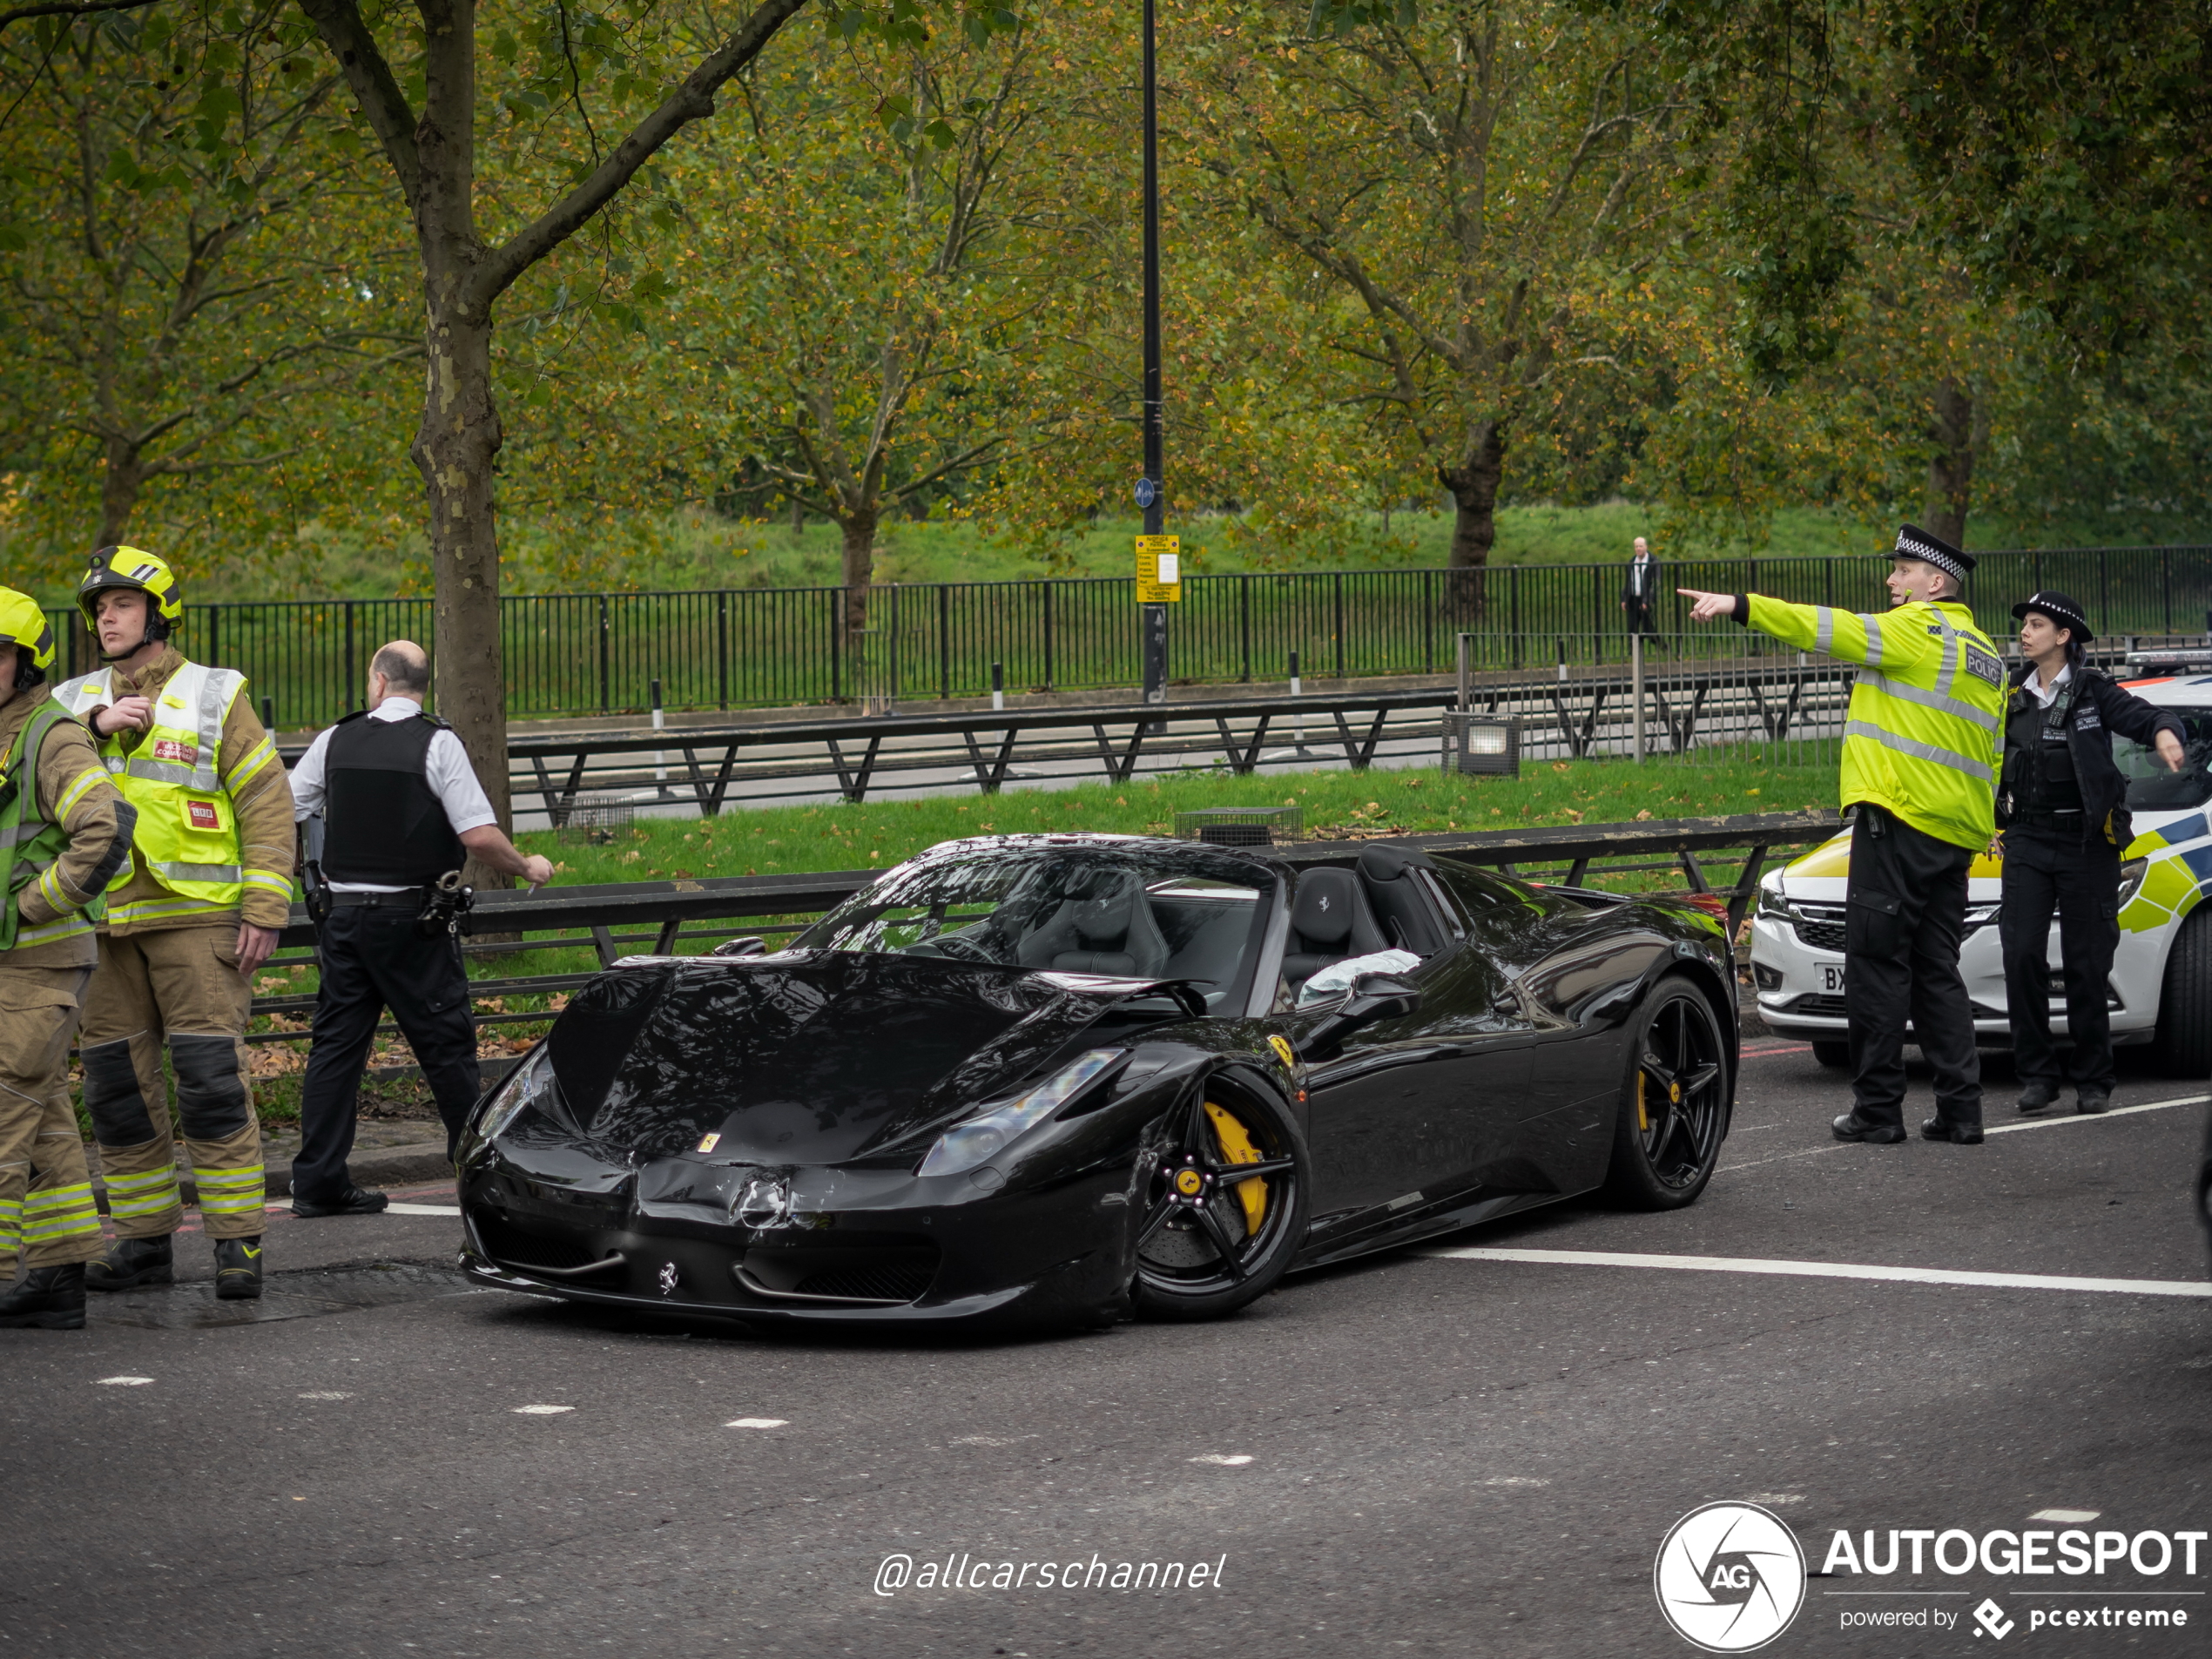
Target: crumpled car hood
[{"x": 808, "y": 1057}]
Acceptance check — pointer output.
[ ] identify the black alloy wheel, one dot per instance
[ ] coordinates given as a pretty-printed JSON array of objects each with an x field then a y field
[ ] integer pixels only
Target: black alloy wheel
[
  {"x": 1674, "y": 1106},
  {"x": 1208, "y": 1242}
]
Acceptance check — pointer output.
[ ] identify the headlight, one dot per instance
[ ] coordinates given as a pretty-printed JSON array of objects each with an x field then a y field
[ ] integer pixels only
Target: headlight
[
  {"x": 965, "y": 1146},
  {"x": 1774, "y": 907},
  {"x": 531, "y": 1083},
  {"x": 2131, "y": 881}
]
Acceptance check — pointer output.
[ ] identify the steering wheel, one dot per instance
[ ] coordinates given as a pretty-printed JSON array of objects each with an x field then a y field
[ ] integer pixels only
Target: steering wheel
[{"x": 961, "y": 948}]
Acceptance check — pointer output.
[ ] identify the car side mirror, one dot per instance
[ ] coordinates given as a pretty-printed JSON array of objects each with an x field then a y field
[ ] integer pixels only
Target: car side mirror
[
  {"x": 751, "y": 945},
  {"x": 1372, "y": 997}
]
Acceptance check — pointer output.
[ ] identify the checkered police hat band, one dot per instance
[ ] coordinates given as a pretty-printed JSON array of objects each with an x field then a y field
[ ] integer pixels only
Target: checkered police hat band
[{"x": 1910, "y": 546}]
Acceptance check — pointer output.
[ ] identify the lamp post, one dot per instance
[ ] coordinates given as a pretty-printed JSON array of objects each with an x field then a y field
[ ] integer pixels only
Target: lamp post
[{"x": 1150, "y": 491}]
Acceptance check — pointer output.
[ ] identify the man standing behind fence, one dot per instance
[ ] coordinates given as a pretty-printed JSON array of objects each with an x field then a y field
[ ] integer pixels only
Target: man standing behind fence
[
  {"x": 1921, "y": 742},
  {"x": 402, "y": 809},
  {"x": 1639, "y": 592}
]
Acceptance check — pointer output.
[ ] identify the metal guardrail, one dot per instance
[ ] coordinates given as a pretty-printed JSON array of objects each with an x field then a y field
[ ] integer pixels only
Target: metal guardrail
[
  {"x": 668, "y": 914},
  {"x": 1567, "y": 713},
  {"x": 599, "y": 653}
]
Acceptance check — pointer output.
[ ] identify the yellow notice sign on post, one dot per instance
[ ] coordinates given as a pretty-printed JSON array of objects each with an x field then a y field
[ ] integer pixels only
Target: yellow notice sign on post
[{"x": 1159, "y": 570}]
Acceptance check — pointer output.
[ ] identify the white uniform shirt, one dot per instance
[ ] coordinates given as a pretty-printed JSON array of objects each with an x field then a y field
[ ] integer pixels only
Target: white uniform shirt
[
  {"x": 446, "y": 765},
  {"x": 2048, "y": 694}
]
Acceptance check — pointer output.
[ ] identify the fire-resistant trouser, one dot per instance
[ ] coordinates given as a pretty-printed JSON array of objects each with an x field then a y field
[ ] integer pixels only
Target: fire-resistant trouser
[
  {"x": 2047, "y": 870},
  {"x": 1905, "y": 912},
  {"x": 47, "y": 1215},
  {"x": 181, "y": 987}
]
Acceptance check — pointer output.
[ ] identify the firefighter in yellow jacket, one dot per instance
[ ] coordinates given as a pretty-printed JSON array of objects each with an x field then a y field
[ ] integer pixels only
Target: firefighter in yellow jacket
[
  {"x": 67, "y": 833},
  {"x": 208, "y": 892},
  {"x": 1922, "y": 741}
]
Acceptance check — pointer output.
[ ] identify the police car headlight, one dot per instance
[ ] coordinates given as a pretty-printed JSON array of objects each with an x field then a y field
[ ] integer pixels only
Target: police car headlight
[
  {"x": 1774, "y": 907},
  {"x": 531, "y": 1083},
  {"x": 2131, "y": 879}
]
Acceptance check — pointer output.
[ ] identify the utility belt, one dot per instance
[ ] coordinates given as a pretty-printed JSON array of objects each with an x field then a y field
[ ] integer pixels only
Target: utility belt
[
  {"x": 438, "y": 907},
  {"x": 2065, "y": 817}
]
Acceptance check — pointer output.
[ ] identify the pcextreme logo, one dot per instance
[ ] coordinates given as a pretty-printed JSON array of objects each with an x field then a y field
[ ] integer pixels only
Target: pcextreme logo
[{"x": 1730, "y": 1577}]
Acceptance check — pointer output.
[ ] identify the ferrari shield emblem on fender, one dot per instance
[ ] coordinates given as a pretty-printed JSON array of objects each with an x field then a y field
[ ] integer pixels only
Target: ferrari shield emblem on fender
[{"x": 1281, "y": 1045}]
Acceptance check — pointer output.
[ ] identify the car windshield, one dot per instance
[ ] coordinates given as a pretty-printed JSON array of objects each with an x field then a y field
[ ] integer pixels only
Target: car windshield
[
  {"x": 1139, "y": 911},
  {"x": 2151, "y": 788}
]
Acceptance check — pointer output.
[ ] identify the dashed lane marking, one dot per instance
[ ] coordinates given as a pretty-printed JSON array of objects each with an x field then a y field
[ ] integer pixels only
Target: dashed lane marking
[
  {"x": 421, "y": 1209},
  {"x": 1823, "y": 1270}
]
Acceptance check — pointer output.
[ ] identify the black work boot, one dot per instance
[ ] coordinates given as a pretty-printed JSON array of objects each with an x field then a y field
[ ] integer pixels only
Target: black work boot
[
  {"x": 2040, "y": 1095},
  {"x": 238, "y": 1268},
  {"x": 52, "y": 1298},
  {"x": 2092, "y": 1099},
  {"x": 131, "y": 1261}
]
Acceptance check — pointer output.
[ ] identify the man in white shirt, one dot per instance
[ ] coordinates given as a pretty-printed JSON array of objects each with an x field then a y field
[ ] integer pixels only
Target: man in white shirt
[{"x": 401, "y": 808}]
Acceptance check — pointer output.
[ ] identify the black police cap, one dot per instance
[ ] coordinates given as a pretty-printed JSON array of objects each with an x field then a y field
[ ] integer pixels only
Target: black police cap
[
  {"x": 1913, "y": 542},
  {"x": 2059, "y": 609}
]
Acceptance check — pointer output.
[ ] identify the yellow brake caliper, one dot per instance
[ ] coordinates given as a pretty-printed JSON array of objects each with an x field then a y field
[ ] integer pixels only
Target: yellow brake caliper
[{"x": 1236, "y": 1146}]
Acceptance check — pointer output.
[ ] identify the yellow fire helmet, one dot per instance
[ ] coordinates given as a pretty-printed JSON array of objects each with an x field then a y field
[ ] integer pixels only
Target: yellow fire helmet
[
  {"x": 23, "y": 624},
  {"x": 133, "y": 567}
]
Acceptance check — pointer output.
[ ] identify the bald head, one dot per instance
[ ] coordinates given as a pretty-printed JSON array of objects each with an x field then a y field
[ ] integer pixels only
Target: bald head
[{"x": 404, "y": 668}]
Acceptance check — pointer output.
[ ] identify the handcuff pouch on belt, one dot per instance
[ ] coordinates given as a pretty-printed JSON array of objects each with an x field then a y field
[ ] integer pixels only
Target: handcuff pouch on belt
[{"x": 445, "y": 902}]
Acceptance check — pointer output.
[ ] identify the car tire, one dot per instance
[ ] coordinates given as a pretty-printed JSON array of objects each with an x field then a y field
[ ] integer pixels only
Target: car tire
[
  {"x": 2184, "y": 1040},
  {"x": 1675, "y": 1100},
  {"x": 1199, "y": 1254},
  {"x": 1834, "y": 1055}
]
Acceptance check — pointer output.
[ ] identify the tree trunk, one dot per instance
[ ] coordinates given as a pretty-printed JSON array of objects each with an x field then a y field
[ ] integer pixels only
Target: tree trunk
[
  {"x": 1473, "y": 485},
  {"x": 1951, "y": 466},
  {"x": 798, "y": 520},
  {"x": 859, "y": 529},
  {"x": 121, "y": 481},
  {"x": 455, "y": 447}
]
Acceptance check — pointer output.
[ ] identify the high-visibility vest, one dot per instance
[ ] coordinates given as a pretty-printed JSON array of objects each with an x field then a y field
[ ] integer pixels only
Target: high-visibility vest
[
  {"x": 1925, "y": 734},
  {"x": 35, "y": 841},
  {"x": 187, "y": 836}
]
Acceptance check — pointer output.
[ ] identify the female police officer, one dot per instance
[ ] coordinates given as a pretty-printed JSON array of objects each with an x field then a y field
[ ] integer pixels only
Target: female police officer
[{"x": 2062, "y": 824}]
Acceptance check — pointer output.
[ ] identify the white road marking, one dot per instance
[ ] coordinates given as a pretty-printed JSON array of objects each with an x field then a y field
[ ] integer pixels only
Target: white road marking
[
  {"x": 1236, "y": 1460},
  {"x": 1515, "y": 1480},
  {"x": 2097, "y": 1117},
  {"x": 124, "y": 1382},
  {"x": 1994, "y": 1129},
  {"x": 326, "y": 1393},
  {"x": 421, "y": 1209},
  {"x": 1824, "y": 1270},
  {"x": 758, "y": 1422},
  {"x": 2066, "y": 1517},
  {"x": 542, "y": 1410},
  {"x": 1772, "y": 1498}
]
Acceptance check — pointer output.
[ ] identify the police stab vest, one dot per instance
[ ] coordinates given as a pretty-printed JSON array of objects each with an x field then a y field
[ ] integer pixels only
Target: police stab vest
[
  {"x": 187, "y": 836},
  {"x": 34, "y": 842},
  {"x": 387, "y": 827}
]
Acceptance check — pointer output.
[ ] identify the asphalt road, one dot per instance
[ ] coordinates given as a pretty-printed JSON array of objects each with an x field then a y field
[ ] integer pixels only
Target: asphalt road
[{"x": 1412, "y": 1455}]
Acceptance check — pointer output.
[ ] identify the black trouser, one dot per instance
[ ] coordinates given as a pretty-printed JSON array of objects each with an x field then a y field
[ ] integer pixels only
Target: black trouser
[
  {"x": 1906, "y": 909},
  {"x": 2048, "y": 870},
  {"x": 1641, "y": 621},
  {"x": 371, "y": 959}
]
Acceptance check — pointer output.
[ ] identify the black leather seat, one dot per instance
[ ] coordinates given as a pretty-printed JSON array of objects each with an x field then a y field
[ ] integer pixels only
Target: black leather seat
[
  {"x": 1331, "y": 920},
  {"x": 1406, "y": 914},
  {"x": 1113, "y": 931}
]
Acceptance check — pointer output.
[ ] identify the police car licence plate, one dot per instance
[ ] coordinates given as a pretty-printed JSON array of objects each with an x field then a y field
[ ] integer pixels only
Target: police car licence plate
[{"x": 1831, "y": 976}]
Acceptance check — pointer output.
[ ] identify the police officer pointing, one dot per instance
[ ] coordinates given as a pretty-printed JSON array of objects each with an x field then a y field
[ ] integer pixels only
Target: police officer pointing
[
  {"x": 402, "y": 808},
  {"x": 1920, "y": 745},
  {"x": 2061, "y": 805}
]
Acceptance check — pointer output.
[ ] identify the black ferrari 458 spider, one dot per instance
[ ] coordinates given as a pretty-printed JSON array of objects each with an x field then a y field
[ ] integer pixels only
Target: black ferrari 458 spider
[{"x": 1065, "y": 1078}]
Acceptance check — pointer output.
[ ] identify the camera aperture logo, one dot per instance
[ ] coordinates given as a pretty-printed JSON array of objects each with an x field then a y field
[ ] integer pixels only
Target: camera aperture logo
[{"x": 1730, "y": 1577}]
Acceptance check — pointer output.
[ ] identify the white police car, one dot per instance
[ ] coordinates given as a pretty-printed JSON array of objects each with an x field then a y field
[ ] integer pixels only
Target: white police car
[{"x": 2161, "y": 988}]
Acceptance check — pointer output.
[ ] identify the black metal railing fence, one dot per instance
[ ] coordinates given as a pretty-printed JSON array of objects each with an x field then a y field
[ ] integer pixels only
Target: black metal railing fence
[{"x": 589, "y": 654}]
